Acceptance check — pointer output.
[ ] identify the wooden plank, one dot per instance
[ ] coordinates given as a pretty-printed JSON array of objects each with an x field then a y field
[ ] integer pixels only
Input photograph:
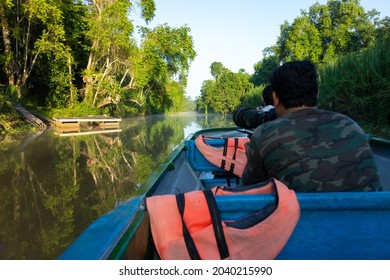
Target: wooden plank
[
  {"x": 89, "y": 132},
  {"x": 108, "y": 124},
  {"x": 86, "y": 119},
  {"x": 71, "y": 126},
  {"x": 67, "y": 124}
]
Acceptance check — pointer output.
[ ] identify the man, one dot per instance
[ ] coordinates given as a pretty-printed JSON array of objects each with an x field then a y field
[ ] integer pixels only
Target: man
[
  {"x": 308, "y": 149},
  {"x": 250, "y": 118},
  {"x": 267, "y": 102}
]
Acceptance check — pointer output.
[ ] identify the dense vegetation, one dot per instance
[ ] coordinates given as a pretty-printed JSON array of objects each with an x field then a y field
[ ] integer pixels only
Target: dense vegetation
[
  {"x": 223, "y": 93},
  {"x": 84, "y": 56},
  {"x": 358, "y": 85},
  {"x": 350, "y": 49}
]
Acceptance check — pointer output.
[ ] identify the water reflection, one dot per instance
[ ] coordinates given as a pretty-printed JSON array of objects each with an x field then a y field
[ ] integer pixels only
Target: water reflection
[{"x": 53, "y": 187}]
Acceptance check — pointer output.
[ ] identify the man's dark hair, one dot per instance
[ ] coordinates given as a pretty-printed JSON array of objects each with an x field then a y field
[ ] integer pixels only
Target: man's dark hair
[
  {"x": 295, "y": 84},
  {"x": 267, "y": 95}
]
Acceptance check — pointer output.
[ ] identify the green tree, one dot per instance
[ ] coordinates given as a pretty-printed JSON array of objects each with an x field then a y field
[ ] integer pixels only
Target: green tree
[
  {"x": 216, "y": 70},
  {"x": 303, "y": 41},
  {"x": 66, "y": 51},
  {"x": 264, "y": 69},
  {"x": 205, "y": 99},
  {"x": 161, "y": 63},
  {"x": 223, "y": 94},
  {"x": 327, "y": 31},
  {"x": 31, "y": 30},
  {"x": 110, "y": 31},
  {"x": 383, "y": 29},
  {"x": 120, "y": 69},
  {"x": 252, "y": 98}
]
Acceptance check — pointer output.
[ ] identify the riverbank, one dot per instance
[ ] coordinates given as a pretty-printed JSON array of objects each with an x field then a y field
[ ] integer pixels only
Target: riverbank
[
  {"x": 14, "y": 136},
  {"x": 13, "y": 126}
]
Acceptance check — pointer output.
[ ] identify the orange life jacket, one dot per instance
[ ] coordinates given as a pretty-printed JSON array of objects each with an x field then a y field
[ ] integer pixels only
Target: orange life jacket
[
  {"x": 187, "y": 226},
  {"x": 231, "y": 157}
]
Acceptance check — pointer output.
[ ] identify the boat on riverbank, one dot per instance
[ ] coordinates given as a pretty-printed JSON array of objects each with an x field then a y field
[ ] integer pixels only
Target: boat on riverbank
[{"x": 342, "y": 225}]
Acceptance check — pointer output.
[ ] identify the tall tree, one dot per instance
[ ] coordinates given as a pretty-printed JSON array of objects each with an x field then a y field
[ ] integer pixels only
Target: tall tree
[
  {"x": 326, "y": 31},
  {"x": 205, "y": 99},
  {"x": 110, "y": 31},
  {"x": 121, "y": 69},
  {"x": 30, "y": 28},
  {"x": 164, "y": 56},
  {"x": 10, "y": 65},
  {"x": 264, "y": 69},
  {"x": 303, "y": 41},
  {"x": 383, "y": 29},
  {"x": 216, "y": 70},
  {"x": 223, "y": 94}
]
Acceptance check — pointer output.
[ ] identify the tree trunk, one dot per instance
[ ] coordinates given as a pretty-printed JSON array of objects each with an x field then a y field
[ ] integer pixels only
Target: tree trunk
[
  {"x": 90, "y": 69},
  {"x": 72, "y": 97},
  {"x": 10, "y": 66}
]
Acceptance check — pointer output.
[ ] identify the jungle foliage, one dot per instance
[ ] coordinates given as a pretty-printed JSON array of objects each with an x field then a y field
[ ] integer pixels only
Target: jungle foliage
[
  {"x": 358, "y": 85},
  {"x": 222, "y": 95},
  {"x": 69, "y": 54}
]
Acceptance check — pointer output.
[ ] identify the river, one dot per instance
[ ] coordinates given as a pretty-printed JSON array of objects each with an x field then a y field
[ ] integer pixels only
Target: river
[{"x": 53, "y": 186}]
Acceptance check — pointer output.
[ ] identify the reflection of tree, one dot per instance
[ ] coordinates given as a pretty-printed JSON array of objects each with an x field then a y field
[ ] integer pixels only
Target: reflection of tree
[
  {"x": 111, "y": 169},
  {"x": 40, "y": 194},
  {"x": 53, "y": 188},
  {"x": 214, "y": 120}
]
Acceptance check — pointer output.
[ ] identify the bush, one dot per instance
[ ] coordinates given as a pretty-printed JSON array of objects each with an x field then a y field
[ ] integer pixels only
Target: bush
[
  {"x": 358, "y": 85},
  {"x": 252, "y": 98},
  {"x": 79, "y": 110}
]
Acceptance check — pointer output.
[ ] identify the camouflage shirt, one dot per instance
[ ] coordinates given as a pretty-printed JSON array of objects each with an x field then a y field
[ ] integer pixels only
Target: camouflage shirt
[{"x": 312, "y": 150}]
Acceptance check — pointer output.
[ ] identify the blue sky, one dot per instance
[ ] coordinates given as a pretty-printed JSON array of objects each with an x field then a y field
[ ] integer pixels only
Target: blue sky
[{"x": 234, "y": 32}]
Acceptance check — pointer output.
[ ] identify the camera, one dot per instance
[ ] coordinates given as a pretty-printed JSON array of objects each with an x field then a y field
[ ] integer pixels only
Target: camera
[{"x": 249, "y": 118}]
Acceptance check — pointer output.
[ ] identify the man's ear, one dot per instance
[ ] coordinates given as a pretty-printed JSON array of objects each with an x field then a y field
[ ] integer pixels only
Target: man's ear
[{"x": 275, "y": 98}]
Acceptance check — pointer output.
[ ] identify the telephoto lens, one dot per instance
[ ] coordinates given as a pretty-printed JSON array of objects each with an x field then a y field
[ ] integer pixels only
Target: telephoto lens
[{"x": 249, "y": 118}]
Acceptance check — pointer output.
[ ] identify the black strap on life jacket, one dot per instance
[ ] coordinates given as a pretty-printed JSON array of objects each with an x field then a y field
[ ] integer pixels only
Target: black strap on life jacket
[
  {"x": 217, "y": 226},
  {"x": 234, "y": 154},
  {"x": 190, "y": 244},
  {"x": 225, "y": 146}
]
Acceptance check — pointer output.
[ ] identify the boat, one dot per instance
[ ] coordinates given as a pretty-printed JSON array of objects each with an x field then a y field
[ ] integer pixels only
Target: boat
[{"x": 332, "y": 226}]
